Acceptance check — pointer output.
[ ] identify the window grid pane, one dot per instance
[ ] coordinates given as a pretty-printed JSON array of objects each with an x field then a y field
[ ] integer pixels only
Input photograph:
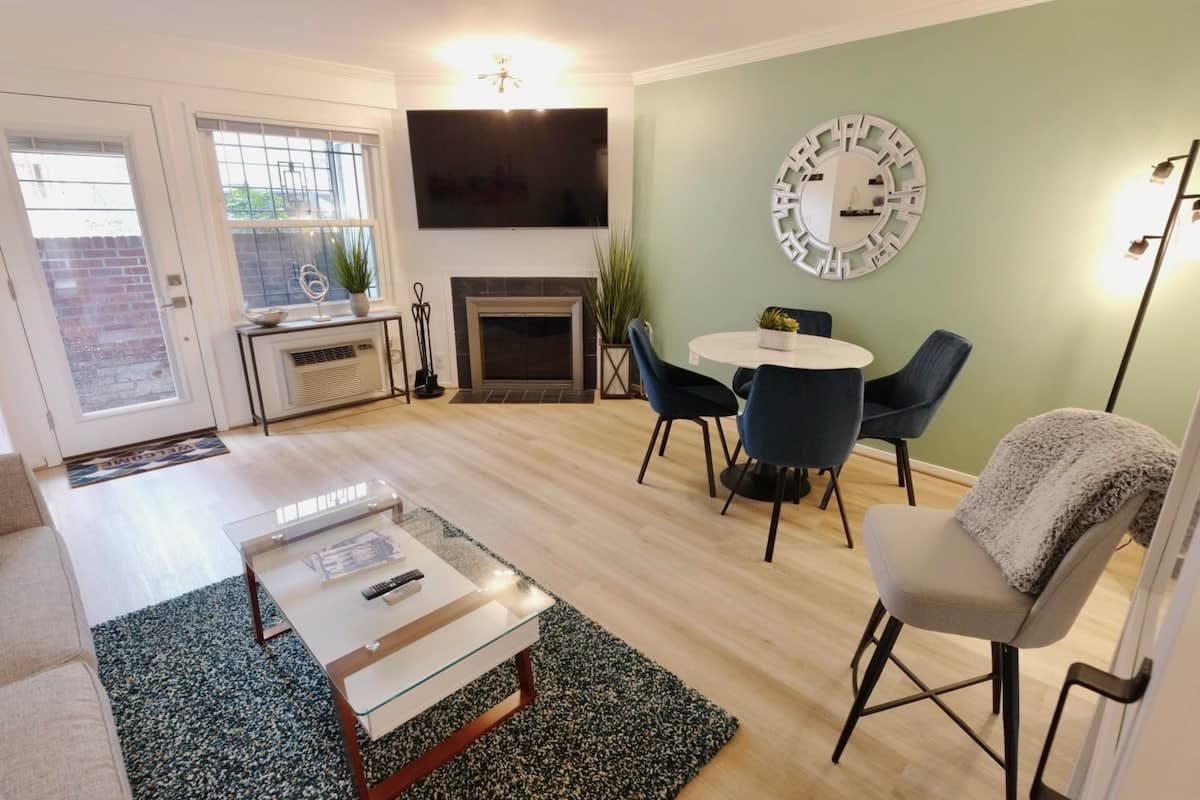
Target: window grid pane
[
  {"x": 278, "y": 178},
  {"x": 269, "y": 262}
]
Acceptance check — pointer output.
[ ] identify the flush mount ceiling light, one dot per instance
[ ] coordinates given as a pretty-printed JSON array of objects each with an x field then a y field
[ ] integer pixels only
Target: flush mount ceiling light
[{"x": 502, "y": 75}]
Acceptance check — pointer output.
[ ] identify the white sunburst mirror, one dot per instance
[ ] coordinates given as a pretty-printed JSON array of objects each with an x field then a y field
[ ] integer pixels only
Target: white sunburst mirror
[{"x": 848, "y": 196}]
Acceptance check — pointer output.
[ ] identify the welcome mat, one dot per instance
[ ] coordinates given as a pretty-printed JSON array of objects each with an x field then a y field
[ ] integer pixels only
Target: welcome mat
[
  {"x": 143, "y": 458},
  {"x": 205, "y": 712}
]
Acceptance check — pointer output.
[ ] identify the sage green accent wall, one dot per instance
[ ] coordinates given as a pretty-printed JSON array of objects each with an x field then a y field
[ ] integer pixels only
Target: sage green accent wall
[{"x": 1038, "y": 128}]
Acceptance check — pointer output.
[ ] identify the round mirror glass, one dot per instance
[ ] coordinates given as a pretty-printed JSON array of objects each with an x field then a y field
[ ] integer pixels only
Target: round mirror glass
[{"x": 841, "y": 208}]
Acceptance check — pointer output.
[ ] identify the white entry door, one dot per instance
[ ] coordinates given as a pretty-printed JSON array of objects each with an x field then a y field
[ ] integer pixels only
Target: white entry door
[{"x": 88, "y": 238}]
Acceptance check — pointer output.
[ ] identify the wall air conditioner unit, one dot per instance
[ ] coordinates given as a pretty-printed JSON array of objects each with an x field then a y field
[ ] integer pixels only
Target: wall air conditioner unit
[{"x": 336, "y": 373}]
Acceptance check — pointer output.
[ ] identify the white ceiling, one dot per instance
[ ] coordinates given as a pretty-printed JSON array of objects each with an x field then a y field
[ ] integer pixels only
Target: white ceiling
[{"x": 593, "y": 36}]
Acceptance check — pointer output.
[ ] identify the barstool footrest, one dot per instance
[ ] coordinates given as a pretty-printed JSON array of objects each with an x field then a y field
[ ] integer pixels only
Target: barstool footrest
[{"x": 929, "y": 694}]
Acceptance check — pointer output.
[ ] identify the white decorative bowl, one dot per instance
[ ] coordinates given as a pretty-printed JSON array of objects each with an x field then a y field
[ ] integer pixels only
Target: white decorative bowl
[
  {"x": 267, "y": 317},
  {"x": 778, "y": 340}
]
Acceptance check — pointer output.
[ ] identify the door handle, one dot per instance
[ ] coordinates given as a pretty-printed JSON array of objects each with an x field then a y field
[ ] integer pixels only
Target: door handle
[
  {"x": 1105, "y": 684},
  {"x": 176, "y": 302}
]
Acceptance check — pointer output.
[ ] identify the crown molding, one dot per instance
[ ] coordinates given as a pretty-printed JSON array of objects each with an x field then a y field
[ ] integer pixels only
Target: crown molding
[{"x": 866, "y": 28}]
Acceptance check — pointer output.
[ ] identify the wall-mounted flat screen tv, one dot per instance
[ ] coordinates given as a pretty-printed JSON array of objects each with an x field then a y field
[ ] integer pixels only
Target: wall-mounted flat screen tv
[{"x": 514, "y": 169}]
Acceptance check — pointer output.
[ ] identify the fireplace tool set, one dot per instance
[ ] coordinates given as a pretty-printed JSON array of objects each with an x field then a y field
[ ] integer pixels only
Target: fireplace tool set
[{"x": 427, "y": 382}]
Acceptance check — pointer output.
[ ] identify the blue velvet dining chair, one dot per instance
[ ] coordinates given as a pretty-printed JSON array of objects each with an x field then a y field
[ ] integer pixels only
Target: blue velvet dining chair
[
  {"x": 800, "y": 419},
  {"x": 677, "y": 393},
  {"x": 812, "y": 323},
  {"x": 900, "y": 406}
]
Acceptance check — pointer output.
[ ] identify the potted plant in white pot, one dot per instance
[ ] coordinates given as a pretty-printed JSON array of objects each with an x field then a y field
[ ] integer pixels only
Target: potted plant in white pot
[
  {"x": 616, "y": 300},
  {"x": 777, "y": 331},
  {"x": 352, "y": 269}
]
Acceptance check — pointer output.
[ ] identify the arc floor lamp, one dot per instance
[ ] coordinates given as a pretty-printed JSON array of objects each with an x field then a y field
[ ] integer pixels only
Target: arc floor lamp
[{"x": 1162, "y": 171}]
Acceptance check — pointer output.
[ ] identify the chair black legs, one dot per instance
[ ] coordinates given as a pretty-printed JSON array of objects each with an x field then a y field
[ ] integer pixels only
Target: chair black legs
[
  {"x": 903, "y": 474},
  {"x": 825, "y": 498},
  {"x": 872, "y": 625},
  {"x": 841, "y": 508},
  {"x": 741, "y": 477},
  {"x": 662, "y": 448},
  {"x": 902, "y": 455},
  {"x": 712, "y": 481},
  {"x": 1006, "y": 693},
  {"x": 1012, "y": 717},
  {"x": 780, "y": 488},
  {"x": 997, "y": 678},
  {"x": 650, "y": 447},
  {"x": 724, "y": 444},
  {"x": 871, "y": 677}
]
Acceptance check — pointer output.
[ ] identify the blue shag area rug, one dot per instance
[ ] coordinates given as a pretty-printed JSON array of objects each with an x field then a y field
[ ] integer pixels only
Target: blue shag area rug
[{"x": 205, "y": 712}]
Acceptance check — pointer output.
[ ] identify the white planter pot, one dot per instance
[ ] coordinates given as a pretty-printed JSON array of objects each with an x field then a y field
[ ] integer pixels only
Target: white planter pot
[
  {"x": 360, "y": 306},
  {"x": 778, "y": 340}
]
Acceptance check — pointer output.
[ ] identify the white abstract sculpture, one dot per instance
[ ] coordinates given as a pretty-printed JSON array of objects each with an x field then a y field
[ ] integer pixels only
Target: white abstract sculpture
[{"x": 315, "y": 286}]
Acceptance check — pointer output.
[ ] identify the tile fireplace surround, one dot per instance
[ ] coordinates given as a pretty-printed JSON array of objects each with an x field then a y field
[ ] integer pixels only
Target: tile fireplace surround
[{"x": 462, "y": 288}]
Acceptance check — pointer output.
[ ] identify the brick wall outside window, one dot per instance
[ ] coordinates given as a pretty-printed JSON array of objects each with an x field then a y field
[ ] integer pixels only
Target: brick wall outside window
[{"x": 109, "y": 319}]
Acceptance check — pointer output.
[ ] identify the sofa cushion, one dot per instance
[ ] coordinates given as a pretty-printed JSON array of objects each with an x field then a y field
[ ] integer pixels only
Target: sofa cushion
[
  {"x": 41, "y": 618},
  {"x": 57, "y": 738},
  {"x": 21, "y": 503}
]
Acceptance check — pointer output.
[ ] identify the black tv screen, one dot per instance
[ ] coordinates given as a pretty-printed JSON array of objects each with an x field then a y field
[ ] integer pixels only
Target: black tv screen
[{"x": 514, "y": 169}]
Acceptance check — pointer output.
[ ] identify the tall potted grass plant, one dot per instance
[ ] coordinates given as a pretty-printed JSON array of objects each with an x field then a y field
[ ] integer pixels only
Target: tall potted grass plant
[
  {"x": 617, "y": 299},
  {"x": 352, "y": 269}
]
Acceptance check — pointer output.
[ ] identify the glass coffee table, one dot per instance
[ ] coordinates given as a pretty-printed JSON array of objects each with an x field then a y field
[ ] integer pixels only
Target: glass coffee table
[{"x": 387, "y": 662}]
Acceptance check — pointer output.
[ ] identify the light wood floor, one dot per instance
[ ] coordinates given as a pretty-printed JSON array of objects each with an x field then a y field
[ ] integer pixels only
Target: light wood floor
[{"x": 552, "y": 489}]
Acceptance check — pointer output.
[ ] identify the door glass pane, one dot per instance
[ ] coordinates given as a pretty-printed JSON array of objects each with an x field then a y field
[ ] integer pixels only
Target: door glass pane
[{"x": 81, "y": 207}]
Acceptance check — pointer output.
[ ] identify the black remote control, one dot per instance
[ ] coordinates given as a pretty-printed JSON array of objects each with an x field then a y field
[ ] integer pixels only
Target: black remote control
[{"x": 383, "y": 587}]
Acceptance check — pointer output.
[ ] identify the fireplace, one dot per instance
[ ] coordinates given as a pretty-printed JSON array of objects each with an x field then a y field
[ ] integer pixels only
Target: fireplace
[
  {"x": 525, "y": 342},
  {"x": 531, "y": 333}
]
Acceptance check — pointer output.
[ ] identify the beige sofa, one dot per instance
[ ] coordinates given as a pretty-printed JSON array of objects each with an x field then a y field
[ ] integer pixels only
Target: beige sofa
[{"x": 57, "y": 738}]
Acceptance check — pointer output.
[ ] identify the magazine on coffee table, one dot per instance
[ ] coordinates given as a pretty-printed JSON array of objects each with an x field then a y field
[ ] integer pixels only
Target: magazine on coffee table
[{"x": 352, "y": 555}]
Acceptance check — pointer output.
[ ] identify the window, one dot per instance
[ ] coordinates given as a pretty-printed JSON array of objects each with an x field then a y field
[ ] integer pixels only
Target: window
[{"x": 288, "y": 195}]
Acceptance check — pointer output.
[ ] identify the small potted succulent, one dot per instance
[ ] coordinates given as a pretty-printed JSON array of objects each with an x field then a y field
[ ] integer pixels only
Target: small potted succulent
[
  {"x": 352, "y": 268},
  {"x": 777, "y": 331}
]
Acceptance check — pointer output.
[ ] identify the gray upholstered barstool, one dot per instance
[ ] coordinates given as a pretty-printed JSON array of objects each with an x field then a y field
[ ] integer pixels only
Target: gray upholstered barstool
[{"x": 931, "y": 574}]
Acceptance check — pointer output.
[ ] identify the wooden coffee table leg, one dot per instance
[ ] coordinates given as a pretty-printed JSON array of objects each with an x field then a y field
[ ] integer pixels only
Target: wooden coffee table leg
[
  {"x": 445, "y": 750},
  {"x": 260, "y": 634}
]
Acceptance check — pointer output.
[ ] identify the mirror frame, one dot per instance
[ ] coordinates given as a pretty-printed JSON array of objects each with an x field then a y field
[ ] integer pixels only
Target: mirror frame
[{"x": 904, "y": 188}]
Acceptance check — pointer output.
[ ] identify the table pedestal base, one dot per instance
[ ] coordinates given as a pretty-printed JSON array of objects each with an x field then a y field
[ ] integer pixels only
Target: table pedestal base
[
  {"x": 443, "y": 751},
  {"x": 760, "y": 482}
]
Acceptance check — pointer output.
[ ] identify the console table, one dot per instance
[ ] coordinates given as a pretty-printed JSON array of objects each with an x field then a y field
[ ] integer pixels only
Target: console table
[{"x": 247, "y": 334}]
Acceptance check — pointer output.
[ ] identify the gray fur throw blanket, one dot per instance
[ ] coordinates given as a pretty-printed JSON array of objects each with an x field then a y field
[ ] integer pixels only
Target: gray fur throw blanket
[{"x": 1056, "y": 475}]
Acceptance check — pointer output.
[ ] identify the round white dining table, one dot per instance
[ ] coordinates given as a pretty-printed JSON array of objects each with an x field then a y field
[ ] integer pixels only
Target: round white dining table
[{"x": 740, "y": 349}]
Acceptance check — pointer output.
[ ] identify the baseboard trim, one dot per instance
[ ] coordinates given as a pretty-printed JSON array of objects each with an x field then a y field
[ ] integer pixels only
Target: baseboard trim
[{"x": 924, "y": 467}]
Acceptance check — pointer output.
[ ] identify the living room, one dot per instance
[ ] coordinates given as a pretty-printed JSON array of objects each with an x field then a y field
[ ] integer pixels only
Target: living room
[{"x": 632, "y": 359}]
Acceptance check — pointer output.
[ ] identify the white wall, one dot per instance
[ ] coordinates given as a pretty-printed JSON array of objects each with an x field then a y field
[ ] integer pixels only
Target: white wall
[
  {"x": 433, "y": 256},
  {"x": 177, "y": 79}
]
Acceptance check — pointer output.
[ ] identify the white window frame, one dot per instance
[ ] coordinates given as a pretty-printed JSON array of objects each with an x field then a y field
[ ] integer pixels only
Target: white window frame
[{"x": 373, "y": 176}]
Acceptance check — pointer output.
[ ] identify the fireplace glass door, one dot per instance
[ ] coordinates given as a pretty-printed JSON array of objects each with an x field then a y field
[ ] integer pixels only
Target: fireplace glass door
[{"x": 526, "y": 348}]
